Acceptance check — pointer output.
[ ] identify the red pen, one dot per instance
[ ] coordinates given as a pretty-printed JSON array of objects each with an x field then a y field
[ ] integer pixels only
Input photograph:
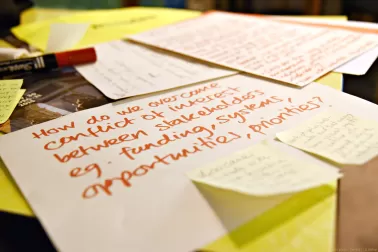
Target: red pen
[{"x": 48, "y": 61}]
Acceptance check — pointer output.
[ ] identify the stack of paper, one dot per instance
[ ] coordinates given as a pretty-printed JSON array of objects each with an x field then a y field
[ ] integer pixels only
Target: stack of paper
[{"x": 135, "y": 175}]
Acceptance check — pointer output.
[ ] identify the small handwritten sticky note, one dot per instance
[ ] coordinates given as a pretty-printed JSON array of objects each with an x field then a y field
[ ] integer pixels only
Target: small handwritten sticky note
[
  {"x": 10, "y": 94},
  {"x": 262, "y": 170},
  {"x": 340, "y": 137}
]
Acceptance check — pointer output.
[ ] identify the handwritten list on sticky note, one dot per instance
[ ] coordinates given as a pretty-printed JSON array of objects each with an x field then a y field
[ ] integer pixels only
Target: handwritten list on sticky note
[
  {"x": 263, "y": 170},
  {"x": 341, "y": 137},
  {"x": 10, "y": 94},
  {"x": 292, "y": 53}
]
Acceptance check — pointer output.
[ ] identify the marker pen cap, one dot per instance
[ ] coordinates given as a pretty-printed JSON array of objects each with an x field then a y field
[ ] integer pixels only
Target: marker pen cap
[{"x": 77, "y": 57}]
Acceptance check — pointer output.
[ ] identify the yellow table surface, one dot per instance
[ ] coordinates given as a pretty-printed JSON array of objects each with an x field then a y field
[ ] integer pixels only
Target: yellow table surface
[{"x": 305, "y": 222}]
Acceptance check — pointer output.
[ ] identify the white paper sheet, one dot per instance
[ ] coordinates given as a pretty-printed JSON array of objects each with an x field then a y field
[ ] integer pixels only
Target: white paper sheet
[
  {"x": 124, "y": 69},
  {"x": 12, "y": 53},
  {"x": 357, "y": 66},
  {"x": 64, "y": 36},
  {"x": 262, "y": 170},
  {"x": 292, "y": 53},
  {"x": 87, "y": 207},
  {"x": 360, "y": 65}
]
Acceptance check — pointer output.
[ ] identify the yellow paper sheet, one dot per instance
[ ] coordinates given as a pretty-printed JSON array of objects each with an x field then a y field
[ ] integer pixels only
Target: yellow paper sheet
[
  {"x": 262, "y": 170},
  {"x": 10, "y": 95},
  {"x": 106, "y": 25},
  {"x": 338, "y": 136},
  {"x": 11, "y": 199},
  {"x": 5, "y": 44},
  {"x": 39, "y": 14}
]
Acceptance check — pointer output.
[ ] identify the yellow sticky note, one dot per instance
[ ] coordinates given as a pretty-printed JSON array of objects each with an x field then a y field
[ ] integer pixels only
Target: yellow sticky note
[
  {"x": 9, "y": 97},
  {"x": 11, "y": 199},
  {"x": 105, "y": 25},
  {"x": 338, "y": 136},
  {"x": 263, "y": 170}
]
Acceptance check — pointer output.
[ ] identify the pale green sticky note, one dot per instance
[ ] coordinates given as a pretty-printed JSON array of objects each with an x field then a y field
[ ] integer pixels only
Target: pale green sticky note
[
  {"x": 263, "y": 170},
  {"x": 338, "y": 136},
  {"x": 10, "y": 95}
]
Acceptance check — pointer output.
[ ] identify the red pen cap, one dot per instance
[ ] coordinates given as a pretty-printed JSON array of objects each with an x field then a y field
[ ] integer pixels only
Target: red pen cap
[{"x": 77, "y": 57}]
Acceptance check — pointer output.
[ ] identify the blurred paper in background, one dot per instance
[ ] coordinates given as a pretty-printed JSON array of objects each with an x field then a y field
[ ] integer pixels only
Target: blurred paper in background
[
  {"x": 105, "y": 25},
  {"x": 65, "y": 36}
]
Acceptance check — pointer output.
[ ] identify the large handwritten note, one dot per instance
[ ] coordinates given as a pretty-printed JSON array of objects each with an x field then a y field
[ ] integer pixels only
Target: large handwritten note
[
  {"x": 124, "y": 69},
  {"x": 357, "y": 66},
  {"x": 292, "y": 53},
  {"x": 10, "y": 94},
  {"x": 124, "y": 165},
  {"x": 263, "y": 170},
  {"x": 342, "y": 137}
]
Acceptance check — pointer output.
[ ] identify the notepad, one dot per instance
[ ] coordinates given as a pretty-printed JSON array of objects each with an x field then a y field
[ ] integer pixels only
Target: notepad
[
  {"x": 124, "y": 69},
  {"x": 341, "y": 137},
  {"x": 262, "y": 170},
  {"x": 10, "y": 95},
  {"x": 293, "y": 53}
]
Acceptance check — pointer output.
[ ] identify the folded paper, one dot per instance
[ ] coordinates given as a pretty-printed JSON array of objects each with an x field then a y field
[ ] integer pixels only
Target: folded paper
[{"x": 262, "y": 170}]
